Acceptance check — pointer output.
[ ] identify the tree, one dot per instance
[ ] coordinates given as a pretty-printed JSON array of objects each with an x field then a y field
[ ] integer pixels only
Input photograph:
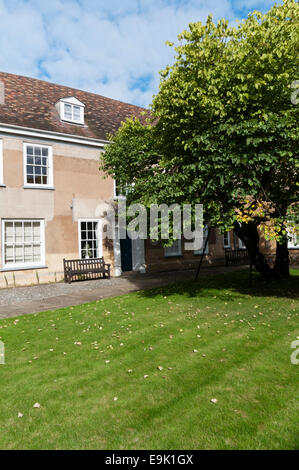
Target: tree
[{"x": 224, "y": 130}]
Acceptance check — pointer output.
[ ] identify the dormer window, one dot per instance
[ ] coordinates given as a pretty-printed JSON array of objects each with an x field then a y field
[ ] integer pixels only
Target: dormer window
[{"x": 71, "y": 110}]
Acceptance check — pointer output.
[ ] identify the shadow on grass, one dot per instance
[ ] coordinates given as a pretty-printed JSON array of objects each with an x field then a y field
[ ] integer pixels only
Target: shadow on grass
[{"x": 230, "y": 286}]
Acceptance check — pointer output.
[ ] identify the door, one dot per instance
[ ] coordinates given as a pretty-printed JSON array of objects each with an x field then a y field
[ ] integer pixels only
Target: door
[{"x": 126, "y": 254}]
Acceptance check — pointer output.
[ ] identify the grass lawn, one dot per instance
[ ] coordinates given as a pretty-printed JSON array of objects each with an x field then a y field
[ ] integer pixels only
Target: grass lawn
[{"x": 139, "y": 371}]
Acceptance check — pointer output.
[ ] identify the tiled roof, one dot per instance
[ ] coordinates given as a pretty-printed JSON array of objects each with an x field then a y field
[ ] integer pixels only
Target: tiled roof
[{"x": 31, "y": 103}]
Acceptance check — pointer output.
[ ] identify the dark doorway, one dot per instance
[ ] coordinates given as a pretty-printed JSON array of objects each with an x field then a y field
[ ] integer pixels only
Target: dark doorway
[{"x": 126, "y": 254}]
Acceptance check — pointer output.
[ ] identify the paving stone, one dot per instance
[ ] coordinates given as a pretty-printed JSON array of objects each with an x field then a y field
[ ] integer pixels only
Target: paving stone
[{"x": 33, "y": 299}]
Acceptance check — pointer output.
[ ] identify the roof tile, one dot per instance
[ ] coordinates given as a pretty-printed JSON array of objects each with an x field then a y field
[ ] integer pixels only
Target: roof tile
[{"x": 29, "y": 102}]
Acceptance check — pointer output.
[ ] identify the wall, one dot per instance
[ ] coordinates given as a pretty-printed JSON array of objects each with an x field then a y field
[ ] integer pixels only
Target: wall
[
  {"x": 80, "y": 191},
  {"x": 156, "y": 260}
]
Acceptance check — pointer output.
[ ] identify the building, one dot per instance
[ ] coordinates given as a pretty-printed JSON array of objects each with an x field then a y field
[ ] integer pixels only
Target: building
[
  {"x": 52, "y": 193},
  {"x": 51, "y": 189}
]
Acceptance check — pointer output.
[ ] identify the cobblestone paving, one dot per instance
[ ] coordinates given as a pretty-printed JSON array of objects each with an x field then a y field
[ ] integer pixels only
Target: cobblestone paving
[{"x": 32, "y": 299}]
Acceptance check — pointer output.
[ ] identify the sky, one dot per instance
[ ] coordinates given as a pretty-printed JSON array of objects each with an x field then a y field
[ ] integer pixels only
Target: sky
[{"x": 115, "y": 48}]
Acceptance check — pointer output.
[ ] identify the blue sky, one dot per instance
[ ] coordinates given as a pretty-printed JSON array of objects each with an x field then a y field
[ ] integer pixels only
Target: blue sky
[{"x": 111, "y": 47}]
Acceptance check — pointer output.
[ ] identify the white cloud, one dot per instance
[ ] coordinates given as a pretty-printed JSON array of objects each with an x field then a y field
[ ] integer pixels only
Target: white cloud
[{"x": 104, "y": 46}]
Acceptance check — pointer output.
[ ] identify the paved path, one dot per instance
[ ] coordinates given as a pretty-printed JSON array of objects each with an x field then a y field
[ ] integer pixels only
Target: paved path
[{"x": 22, "y": 300}]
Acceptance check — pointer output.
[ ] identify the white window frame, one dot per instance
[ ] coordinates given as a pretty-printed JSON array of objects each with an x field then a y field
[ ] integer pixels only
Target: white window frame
[
  {"x": 169, "y": 254},
  {"x": 205, "y": 234},
  {"x": 293, "y": 242},
  {"x": 100, "y": 246},
  {"x": 1, "y": 163},
  {"x": 73, "y": 105},
  {"x": 115, "y": 196},
  {"x": 241, "y": 245},
  {"x": 13, "y": 266},
  {"x": 226, "y": 245},
  {"x": 50, "y": 183},
  {"x": 120, "y": 196}
]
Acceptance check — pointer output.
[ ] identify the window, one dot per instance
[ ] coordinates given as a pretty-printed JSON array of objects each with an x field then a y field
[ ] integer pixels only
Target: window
[
  {"x": 1, "y": 163},
  {"x": 38, "y": 165},
  {"x": 241, "y": 245},
  {"x": 120, "y": 190},
  {"x": 72, "y": 113},
  {"x": 205, "y": 236},
  {"x": 90, "y": 239},
  {"x": 174, "y": 250},
  {"x": 71, "y": 110},
  {"x": 23, "y": 243},
  {"x": 226, "y": 240},
  {"x": 293, "y": 241}
]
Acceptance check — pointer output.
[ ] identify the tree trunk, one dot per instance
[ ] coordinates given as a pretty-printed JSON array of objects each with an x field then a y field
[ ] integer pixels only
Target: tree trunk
[
  {"x": 282, "y": 261},
  {"x": 249, "y": 235}
]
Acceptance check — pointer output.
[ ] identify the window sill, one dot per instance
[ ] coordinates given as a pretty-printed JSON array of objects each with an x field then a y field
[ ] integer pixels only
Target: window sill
[
  {"x": 76, "y": 123},
  {"x": 34, "y": 186},
  {"x": 23, "y": 268},
  {"x": 173, "y": 256}
]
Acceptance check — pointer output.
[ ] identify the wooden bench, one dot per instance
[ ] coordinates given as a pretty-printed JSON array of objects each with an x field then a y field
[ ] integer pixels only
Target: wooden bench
[
  {"x": 235, "y": 257},
  {"x": 80, "y": 269}
]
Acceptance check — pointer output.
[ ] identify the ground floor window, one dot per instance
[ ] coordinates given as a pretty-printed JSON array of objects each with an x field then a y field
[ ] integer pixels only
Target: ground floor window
[
  {"x": 238, "y": 244},
  {"x": 174, "y": 250},
  {"x": 241, "y": 245},
  {"x": 23, "y": 243},
  {"x": 205, "y": 236},
  {"x": 293, "y": 239},
  {"x": 226, "y": 240},
  {"x": 90, "y": 239}
]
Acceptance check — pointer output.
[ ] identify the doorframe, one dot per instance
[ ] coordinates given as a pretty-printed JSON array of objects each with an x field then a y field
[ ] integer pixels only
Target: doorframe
[{"x": 99, "y": 233}]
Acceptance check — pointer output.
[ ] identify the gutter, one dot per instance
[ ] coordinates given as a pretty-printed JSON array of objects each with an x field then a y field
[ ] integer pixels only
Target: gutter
[{"x": 74, "y": 139}]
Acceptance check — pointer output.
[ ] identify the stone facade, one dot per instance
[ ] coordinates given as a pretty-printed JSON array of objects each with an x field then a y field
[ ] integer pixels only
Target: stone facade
[{"x": 79, "y": 190}]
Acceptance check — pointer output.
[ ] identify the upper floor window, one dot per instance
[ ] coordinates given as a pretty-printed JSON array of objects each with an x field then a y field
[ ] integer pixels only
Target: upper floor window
[
  {"x": 71, "y": 110},
  {"x": 120, "y": 190},
  {"x": 1, "y": 163},
  {"x": 38, "y": 166}
]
